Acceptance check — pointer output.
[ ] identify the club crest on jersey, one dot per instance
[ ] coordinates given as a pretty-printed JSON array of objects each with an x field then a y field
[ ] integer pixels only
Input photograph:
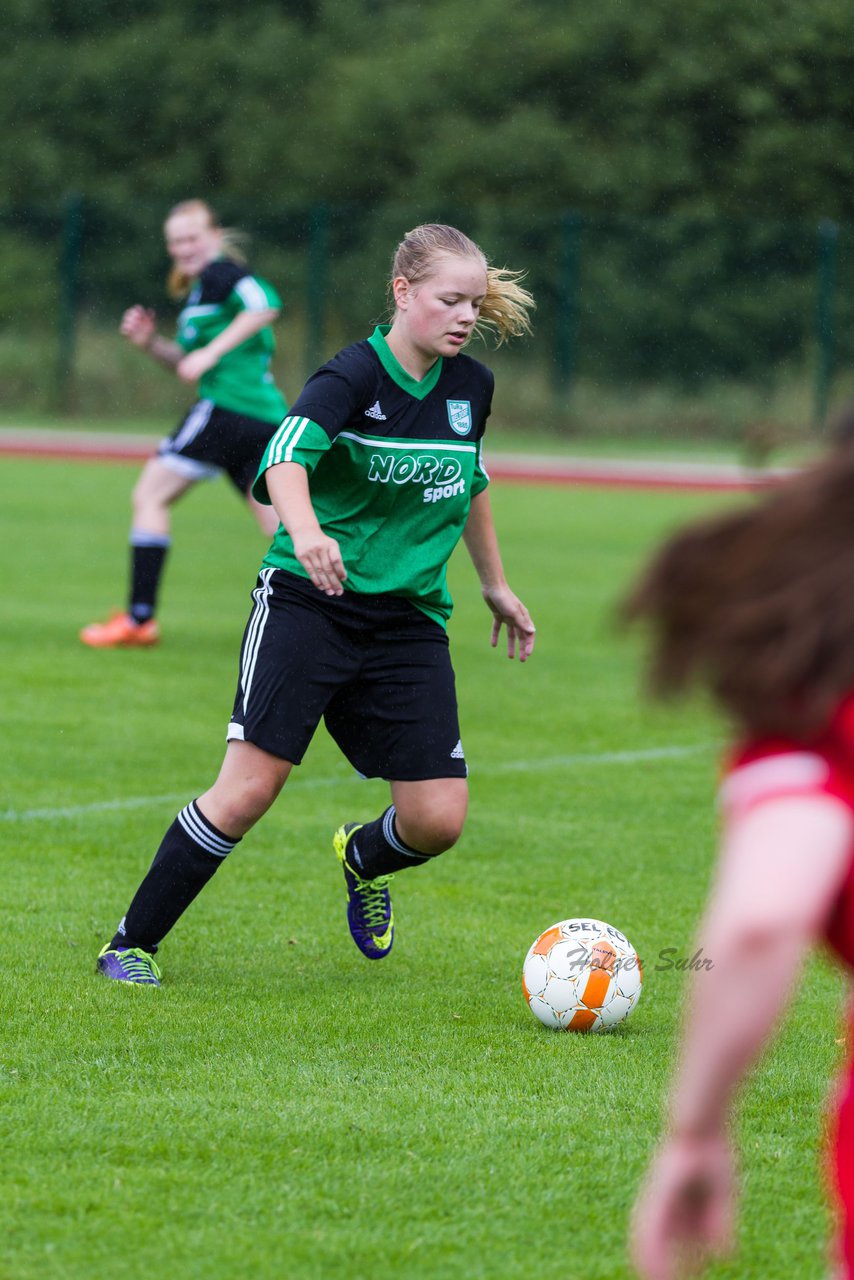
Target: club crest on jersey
[{"x": 459, "y": 416}]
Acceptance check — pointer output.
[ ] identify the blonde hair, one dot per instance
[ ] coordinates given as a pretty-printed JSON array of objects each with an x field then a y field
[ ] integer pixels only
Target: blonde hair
[
  {"x": 233, "y": 243},
  {"x": 506, "y": 305}
]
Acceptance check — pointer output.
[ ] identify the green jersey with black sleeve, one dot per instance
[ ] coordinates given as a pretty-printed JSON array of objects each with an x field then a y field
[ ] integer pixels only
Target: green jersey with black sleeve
[
  {"x": 241, "y": 380},
  {"x": 393, "y": 464}
]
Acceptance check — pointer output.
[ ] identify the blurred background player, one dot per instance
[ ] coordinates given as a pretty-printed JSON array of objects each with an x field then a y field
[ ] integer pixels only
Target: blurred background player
[
  {"x": 376, "y": 474},
  {"x": 224, "y": 342},
  {"x": 758, "y": 607}
]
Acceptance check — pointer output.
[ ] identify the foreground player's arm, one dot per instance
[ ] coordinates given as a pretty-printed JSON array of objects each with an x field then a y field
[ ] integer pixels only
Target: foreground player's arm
[
  {"x": 244, "y": 326},
  {"x": 782, "y": 866},
  {"x": 319, "y": 555},
  {"x": 139, "y": 326},
  {"x": 507, "y": 609}
]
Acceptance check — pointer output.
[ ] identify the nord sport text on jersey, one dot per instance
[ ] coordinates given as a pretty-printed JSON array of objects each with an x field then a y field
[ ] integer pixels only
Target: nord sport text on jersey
[{"x": 442, "y": 475}]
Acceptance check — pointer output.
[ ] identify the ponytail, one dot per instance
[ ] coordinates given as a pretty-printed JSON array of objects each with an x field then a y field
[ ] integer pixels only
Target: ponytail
[{"x": 506, "y": 305}]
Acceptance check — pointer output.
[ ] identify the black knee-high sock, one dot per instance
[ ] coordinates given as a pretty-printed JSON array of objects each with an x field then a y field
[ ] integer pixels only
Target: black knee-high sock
[
  {"x": 377, "y": 850},
  {"x": 147, "y": 560},
  {"x": 189, "y": 854}
]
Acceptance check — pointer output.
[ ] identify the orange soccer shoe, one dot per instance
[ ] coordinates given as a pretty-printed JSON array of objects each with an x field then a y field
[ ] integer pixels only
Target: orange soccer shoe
[{"x": 121, "y": 632}]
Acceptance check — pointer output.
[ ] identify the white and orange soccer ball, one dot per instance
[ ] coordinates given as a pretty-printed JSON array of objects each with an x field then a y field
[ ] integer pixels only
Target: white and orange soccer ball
[{"x": 582, "y": 975}]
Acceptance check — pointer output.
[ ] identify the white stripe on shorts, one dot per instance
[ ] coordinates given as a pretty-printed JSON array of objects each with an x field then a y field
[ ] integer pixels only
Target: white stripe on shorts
[
  {"x": 480, "y": 460},
  {"x": 189, "y": 467},
  {"x": 254, "y": 632},
  {"x": 194, "y": 423}
]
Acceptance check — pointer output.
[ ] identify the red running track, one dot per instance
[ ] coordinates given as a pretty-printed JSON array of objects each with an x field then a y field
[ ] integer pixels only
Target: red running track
[{"x": 95, "y": 446}]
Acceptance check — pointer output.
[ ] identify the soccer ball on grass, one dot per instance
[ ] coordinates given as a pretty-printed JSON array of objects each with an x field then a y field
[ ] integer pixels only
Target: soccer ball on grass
[{"x": 582, "y": 975}]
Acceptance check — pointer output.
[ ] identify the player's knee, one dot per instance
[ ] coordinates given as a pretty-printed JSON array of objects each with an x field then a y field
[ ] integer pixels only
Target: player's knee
[
  {"x": 138, "y": 497},
  {"x": 238, "y": 813},
  {"x": 433, "y": 834},
  {"x": 236, "y": 809},
  {"x": 258, "y": 795},
  {"x": 145, "y": 503}
]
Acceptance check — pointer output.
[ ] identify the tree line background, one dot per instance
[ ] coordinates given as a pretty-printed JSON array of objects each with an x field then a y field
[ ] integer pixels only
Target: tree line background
[{"x": 676, "y": 181}]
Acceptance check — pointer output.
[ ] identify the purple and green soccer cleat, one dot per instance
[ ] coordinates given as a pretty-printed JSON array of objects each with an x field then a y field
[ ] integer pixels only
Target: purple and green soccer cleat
[
  {"x": 369, "y": 911},
  {"x": 129, "y": 964}
]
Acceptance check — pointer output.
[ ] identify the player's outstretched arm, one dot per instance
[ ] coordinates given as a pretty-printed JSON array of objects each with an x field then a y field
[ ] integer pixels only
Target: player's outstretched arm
[
  {"x": 319, "y": 555},
  {"x": 507, "y": 609},
  {"x": 139, "y": 326},
  {"x": 244, "y": 326},
  {"x": 781, "y": 868}
]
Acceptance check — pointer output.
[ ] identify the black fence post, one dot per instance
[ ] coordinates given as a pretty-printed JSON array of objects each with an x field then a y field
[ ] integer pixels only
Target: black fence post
[
  {"x": 566, "y": 309},
  {"x": 317, "y": 265},
  {"x": 71, "y": 250}
]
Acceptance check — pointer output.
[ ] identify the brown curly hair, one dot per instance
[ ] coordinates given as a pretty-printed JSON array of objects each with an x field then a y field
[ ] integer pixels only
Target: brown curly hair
[{"x": 758, "y": 604}]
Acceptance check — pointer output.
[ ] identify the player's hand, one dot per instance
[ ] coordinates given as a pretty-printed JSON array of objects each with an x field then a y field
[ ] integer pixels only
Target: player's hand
[
  {"x": 508, "y": 611},
  {"x": 684, "y": 1214},
  {"x": 191, "y": 367},
  {"x": 139, "y": 325},
  {"x": 320, "y": 556}
]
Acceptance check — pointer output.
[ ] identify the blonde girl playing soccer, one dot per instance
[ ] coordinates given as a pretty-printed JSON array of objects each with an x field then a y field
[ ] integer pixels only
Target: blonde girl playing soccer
[{"x": 375, "y": 475}]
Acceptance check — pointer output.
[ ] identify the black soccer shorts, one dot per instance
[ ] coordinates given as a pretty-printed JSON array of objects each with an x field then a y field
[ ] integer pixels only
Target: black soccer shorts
[
  {"x": 374, "y": 667},
  {"x": 209, "y": 440}
]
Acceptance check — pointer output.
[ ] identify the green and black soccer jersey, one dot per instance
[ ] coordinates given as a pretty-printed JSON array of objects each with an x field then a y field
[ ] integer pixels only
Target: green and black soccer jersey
[
  {"x": 241, "y": 381},
  {"x": 394, "y": 465}
]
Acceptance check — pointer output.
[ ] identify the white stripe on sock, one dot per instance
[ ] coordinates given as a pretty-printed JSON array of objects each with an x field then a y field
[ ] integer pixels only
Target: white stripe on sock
[
  {"x": 395, "y": 841},
  {"x": 139, "y": 538},
  {"x": 199, "y": 831}
]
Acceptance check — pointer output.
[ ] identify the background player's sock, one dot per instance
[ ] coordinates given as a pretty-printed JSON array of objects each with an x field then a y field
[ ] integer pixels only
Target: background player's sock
[
  {"x": 189, "y": 854},
  {"x": 147, "y": 558},
  {"x": 376, "y": 849}
]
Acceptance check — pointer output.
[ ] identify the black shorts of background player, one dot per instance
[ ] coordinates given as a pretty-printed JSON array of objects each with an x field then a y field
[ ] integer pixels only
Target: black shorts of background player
[
  {"x": 224, "y": 342},
  {"x": 376, "y": 474}
]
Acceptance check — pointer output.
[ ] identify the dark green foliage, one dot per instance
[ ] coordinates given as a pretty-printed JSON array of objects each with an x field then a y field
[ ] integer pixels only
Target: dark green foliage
[
  {"x": 701, "y": 145},
  {"x": 717, "y": 107}
]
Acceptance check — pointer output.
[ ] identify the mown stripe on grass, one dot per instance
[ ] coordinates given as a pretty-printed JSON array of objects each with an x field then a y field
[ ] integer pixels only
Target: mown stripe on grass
[{"x": 501, "y": 766}]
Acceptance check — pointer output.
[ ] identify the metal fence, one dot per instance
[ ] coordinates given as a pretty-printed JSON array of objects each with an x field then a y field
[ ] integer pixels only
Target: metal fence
[{"x": 686, "y": 303}]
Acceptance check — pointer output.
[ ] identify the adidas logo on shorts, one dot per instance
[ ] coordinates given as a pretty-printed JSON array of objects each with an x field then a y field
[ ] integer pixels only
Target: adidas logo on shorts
[
  {"x": 458, "y": 753},
  {"x": 375, "y": 412}
]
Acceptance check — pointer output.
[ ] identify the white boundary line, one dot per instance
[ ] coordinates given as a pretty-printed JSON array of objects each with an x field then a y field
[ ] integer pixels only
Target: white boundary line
[{"x": 501, "y": 766}]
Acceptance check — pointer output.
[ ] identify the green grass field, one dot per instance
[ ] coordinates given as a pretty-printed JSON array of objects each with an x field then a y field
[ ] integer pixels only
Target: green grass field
[{"x": 282, "y": 1107}]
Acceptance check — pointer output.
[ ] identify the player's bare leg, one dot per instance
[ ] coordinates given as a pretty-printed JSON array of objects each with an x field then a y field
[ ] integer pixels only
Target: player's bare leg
[
  {"x": 157, "y": 489},
  {"x": 430, "y": 815},
  {"x": 249, "y": 781}
]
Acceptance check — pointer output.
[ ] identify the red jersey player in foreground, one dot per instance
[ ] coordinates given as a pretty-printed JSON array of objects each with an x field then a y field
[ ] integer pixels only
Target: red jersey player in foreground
[{"x": 757, "y": 605}]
